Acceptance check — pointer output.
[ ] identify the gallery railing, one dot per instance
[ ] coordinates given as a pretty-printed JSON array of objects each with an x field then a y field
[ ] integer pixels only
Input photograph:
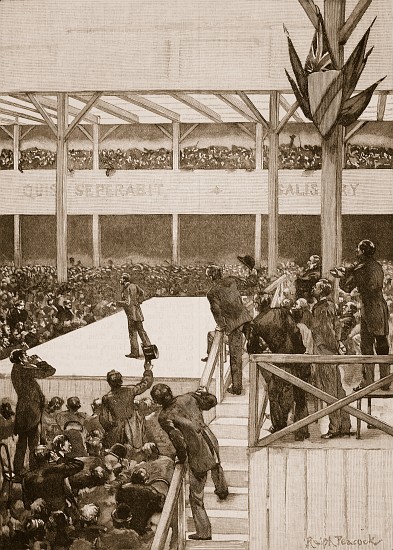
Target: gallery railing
[{"x": 270, "y": 363}]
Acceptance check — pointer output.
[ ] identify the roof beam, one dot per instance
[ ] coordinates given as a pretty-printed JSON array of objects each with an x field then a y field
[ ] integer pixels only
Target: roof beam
[
  {"x": 43, "y": 113},
  {"x": 355, "y": 129},
  {"x": 285, "y": 105},
  {"x": 21, "y": 115},
  {"x": 151, "y": 106},
  {"x": 110, "y": 109},
  {"x": 188, "y": 132},
  {"x": 351, "y": 23},
  {"x": 24, "y": 134},
  {"x": 197, "y": 106},
  {"x": 245, "y": 130},
  {"x": 287, "y": 117},
  {"x": 79, "y": 117},
  {"x": 51, "y": 104},
  {"x": 109, "y": 132},
  {"x": 381, "y": 106},
  {"x": 84, "y": 131},
  {"x": 310, "y": 10},
  {"x": 18, "y": 105},
  {"x": 9, "y": 134},
  {"x": 260, "y": 118},
  {"x": 164, "y": 131},
  {"x": 237, "y": 106}
]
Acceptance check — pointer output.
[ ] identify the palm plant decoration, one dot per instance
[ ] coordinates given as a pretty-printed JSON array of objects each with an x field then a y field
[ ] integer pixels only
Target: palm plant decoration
[{"x": 323, "y": 89}]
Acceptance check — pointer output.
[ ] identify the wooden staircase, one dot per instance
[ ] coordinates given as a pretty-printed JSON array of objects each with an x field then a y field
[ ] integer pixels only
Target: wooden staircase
[{"x": 229, "y": 518}]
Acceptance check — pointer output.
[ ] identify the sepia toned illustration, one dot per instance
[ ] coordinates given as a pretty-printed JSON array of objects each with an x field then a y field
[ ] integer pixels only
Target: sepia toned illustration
[{"x": 196, "y": 300}]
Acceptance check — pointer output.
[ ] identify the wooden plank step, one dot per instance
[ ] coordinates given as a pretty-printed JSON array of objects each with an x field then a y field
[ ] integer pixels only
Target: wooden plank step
[
  {"x": 233, "y": 450},
  {"x": 223, "y": 525},
  {"x": 217, "y": 544},
  {"x": 237, "y": 499},
  {"x": 236, "y": 474},
  {"x": 228, "y": 427},
  {"x": 231, "y": 409}
]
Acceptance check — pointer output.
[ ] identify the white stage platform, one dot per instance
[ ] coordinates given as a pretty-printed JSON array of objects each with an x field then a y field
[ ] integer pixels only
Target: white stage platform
[{"x": 178, "y": 326}]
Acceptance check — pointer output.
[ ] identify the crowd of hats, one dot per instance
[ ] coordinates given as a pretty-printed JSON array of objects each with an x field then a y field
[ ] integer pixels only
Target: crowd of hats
[
  {"x": 214, "y": 157},
  {"x": 91, "y": 514}
]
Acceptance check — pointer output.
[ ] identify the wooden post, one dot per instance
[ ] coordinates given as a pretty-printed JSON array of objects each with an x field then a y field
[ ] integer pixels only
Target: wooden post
[
  {"x": 61, "y": 187},
  {"x": 273, "y": 183},
  {"x": 176, "y": 146},
  {"x": 16, "y": 144},
  {"x": 259, "y": 146},
  {"x": 258, "y": 240},
  {"x": 96, "y": 241},
  {"x": 175, "y": 239},
  {"x": 253, "y": 436},
  {"x": 96, "y": 158},
  {"x": 17, "y": 241},
  {"x": 332, "y": 156}
]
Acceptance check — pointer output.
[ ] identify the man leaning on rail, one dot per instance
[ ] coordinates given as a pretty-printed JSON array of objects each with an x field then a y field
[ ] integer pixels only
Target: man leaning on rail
[{"x": 181, "y": 417}]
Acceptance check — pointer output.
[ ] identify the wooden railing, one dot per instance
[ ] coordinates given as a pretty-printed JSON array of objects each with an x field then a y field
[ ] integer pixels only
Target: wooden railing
[
  {"x": 259, "y": 397},
  {"x": 173, "y": 514},
  {"x": 277, "y": 286}
]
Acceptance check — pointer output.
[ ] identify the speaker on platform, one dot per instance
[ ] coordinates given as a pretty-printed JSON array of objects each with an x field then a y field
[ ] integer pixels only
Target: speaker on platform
[{"x": 150, "y": 352}]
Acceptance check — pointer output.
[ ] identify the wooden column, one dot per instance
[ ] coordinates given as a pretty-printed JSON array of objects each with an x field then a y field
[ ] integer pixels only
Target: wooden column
[
  {"x": 176, "y": 146},
  {"x": 258, "y": 240},
  {"x": 273, "y": 183},
  {"x": 175, "y": 240},
  {"x": 17, "y": 242},
  {"x": 259, "y": 146},
  {"x": 96, "y": 241},
  {"x": 16, "y": 144},
  {"x": 332, "y": 156},
  {"x": 61, "y": 187},
  {"x": 96, "y": 158}
]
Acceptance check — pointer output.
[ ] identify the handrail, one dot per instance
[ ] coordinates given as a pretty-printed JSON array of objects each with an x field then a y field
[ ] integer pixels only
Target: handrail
[
  {"x": 211, "y": 362},
  {"x": 260, "y": 362},
  {"x": 174, "y": 510},
  {"x": 275, "y": 284}
]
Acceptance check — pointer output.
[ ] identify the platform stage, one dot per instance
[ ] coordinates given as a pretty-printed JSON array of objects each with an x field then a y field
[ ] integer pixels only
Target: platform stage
[{"x": 178, "y": 326}]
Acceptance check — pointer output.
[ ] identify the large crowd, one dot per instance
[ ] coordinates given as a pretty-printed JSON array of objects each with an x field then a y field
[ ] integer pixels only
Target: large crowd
[
  {"x": 214, "y": 157},
  {"x": 35, "y": 308}
]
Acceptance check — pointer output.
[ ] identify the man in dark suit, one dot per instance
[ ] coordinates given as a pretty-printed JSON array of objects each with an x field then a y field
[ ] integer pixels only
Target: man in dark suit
[
  {"x": 31, "y": 402},
  {"x": 305, "y": 282},
  {"x": 17, "y": 314},
  {"x": 276, "y": 328},
  {"x": 181, "y": 417},
  {"x": 47, "y": 480},
  {"x": 230, "y": 315},
  {"x": 132, "y": 297},
  {"x": 119, "y": 418},
  {"x": 367, "y": 276}
]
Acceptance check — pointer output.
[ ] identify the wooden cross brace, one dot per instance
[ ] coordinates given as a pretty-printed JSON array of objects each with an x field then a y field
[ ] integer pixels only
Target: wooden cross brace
[{"x": 334, "y": 404}]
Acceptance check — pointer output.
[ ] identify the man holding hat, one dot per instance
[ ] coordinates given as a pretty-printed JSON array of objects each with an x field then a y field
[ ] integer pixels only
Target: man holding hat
[
  {"x": 30, "y": 405},
  {"x": 132, "y": 297},
  {"x": 121, "y": 421}
]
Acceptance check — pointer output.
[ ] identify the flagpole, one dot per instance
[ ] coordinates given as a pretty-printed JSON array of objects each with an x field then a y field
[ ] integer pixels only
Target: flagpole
[{"x": 332, "y": 155}]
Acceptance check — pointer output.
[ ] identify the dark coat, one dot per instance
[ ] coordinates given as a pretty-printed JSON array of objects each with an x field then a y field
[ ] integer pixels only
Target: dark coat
[
  {"x": 132, "y": 297},
  {"x": 16, "y": 316},
  {"x": 367, "y": 277},
  {"x": 183, "y": 421},
  {"x": 305, "y": 282},
  {"x": 47, "y": 482},
  {"x": 31, "y": 400},
  {"x": 119, "y": 417},
  {"x": 325, "y": 328},
  {"x": 226, "y": 304},
  {"x": 143, "y": 501}
]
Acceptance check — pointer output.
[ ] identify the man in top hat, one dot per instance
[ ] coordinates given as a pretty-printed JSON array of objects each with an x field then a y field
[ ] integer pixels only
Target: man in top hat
[
  {"x": 132, "y": 297},
  {"x": 119, "y": 418},
  {"x": 182, "y": 418},
  {"x": 230, "y": 315},
  {"x": 367, "y": 276},
  {"x": 30, "y": 405}
]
